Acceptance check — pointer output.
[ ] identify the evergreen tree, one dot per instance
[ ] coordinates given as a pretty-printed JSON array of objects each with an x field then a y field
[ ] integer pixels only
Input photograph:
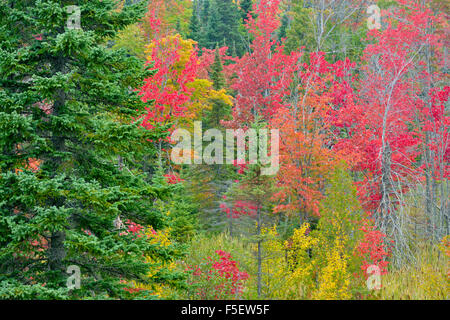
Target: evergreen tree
[
  {"x": 194, "y": 25},
  {"x": 217, "y": 76},
  {"x": 254, "y": 189},
  {"x": 284, "y": 27},
  {"x": 299, "y": 33},
  {"x": 214, "y": 179},
  {"x": 184, "y": 211},
  {"x": 205, "y": 12},
  {"x": 178, "y": 27},
  {"x": 211, "y": 34},
  {"x": 66, "y": 118},
  {"x": 246, "y": 7},
  {"x": 220, "y": 110},
  {"x": 223, "y": 26}
]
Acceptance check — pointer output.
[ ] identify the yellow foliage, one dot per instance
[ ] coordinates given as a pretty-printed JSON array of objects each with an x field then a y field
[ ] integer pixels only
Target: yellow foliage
[
  {"x": 304, "y": 267},
  {"x": 161, "y": 238},
  {"x": 276, "y": 278},
  {"x": 334, "y": 279},
  {"x": 298, "y": 256},
  {"x": 185, "y": 48},
  {"x": 286, "y": 267},
  {"x": 201, "y": 93}
]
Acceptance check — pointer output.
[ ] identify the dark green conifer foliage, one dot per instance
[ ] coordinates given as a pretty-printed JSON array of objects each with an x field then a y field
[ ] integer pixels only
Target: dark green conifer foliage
[
  {"x": 220, "y": 110},
  {"x": 219, "y": 23},
  {"x": 205, "y": 12},
  {"x": 194, "y": 25},
  {"x": 80, "y": 186},
  {"x": 246, "y": 7},
  {"x": 228, "y": 26},
  {"x": 212, "y": 37},
  {"x": 284, "y": 27},
  {"x": 299, "y": 33},
  {"x": 217, "y": 76}
]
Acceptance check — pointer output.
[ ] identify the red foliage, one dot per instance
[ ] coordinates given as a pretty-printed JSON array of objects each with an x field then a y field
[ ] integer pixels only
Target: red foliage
[
  {"x": 133, "y": 228},
  {"x": 168, "y": 87},
  {"x": 225, "y": 275},
  {"x": 373, "y": 249},
  {"x": 173, "y": 178},
  {"x": 207, "y": 59},
  {"x": 239, "y": 208},
  {"x": 385, "y": 109},
  {"x": 436, "y": 122},
  {"x": 306, "y": 133},
  {"x": 264, "y": 75}
]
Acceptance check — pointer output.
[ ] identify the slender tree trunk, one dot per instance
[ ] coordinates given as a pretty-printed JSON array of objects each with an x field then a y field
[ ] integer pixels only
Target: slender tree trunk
[
  {"x": 56, "y": 251},
  {"x": 386, "y": 190},
  {"x": 259, "y": 257},
  {"x": 428, "y": 184},
  {"x": 430, "y": 179},
  {"x": 120, "y": 162},
  {"x": 56, "y": 246}
]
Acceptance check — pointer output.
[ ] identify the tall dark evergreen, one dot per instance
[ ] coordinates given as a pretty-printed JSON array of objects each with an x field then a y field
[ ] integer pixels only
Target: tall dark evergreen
[
  {"x": 217, "y": 75},
  {"x": 205, "y": 11},
  {"x": 194, "y": 25},
  {"x": 246, "y": 7},
  {"x": 220, "y": 110},
  {"x": 70, "y": 153},
  {"x": 223, "y": 26},
  {"x": 228, "y": 27},
  {"x": 284, "y": 27},
  {"x": 212, "y": 37},
  {"x": 299, "y": 34}
]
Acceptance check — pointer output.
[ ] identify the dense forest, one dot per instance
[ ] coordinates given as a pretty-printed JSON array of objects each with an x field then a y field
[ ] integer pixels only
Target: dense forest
[{"x": 120, "y": 177}]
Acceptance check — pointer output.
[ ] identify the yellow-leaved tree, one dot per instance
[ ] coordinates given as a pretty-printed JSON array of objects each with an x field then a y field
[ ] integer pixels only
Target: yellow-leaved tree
[{"x": 319, "y": 261}]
